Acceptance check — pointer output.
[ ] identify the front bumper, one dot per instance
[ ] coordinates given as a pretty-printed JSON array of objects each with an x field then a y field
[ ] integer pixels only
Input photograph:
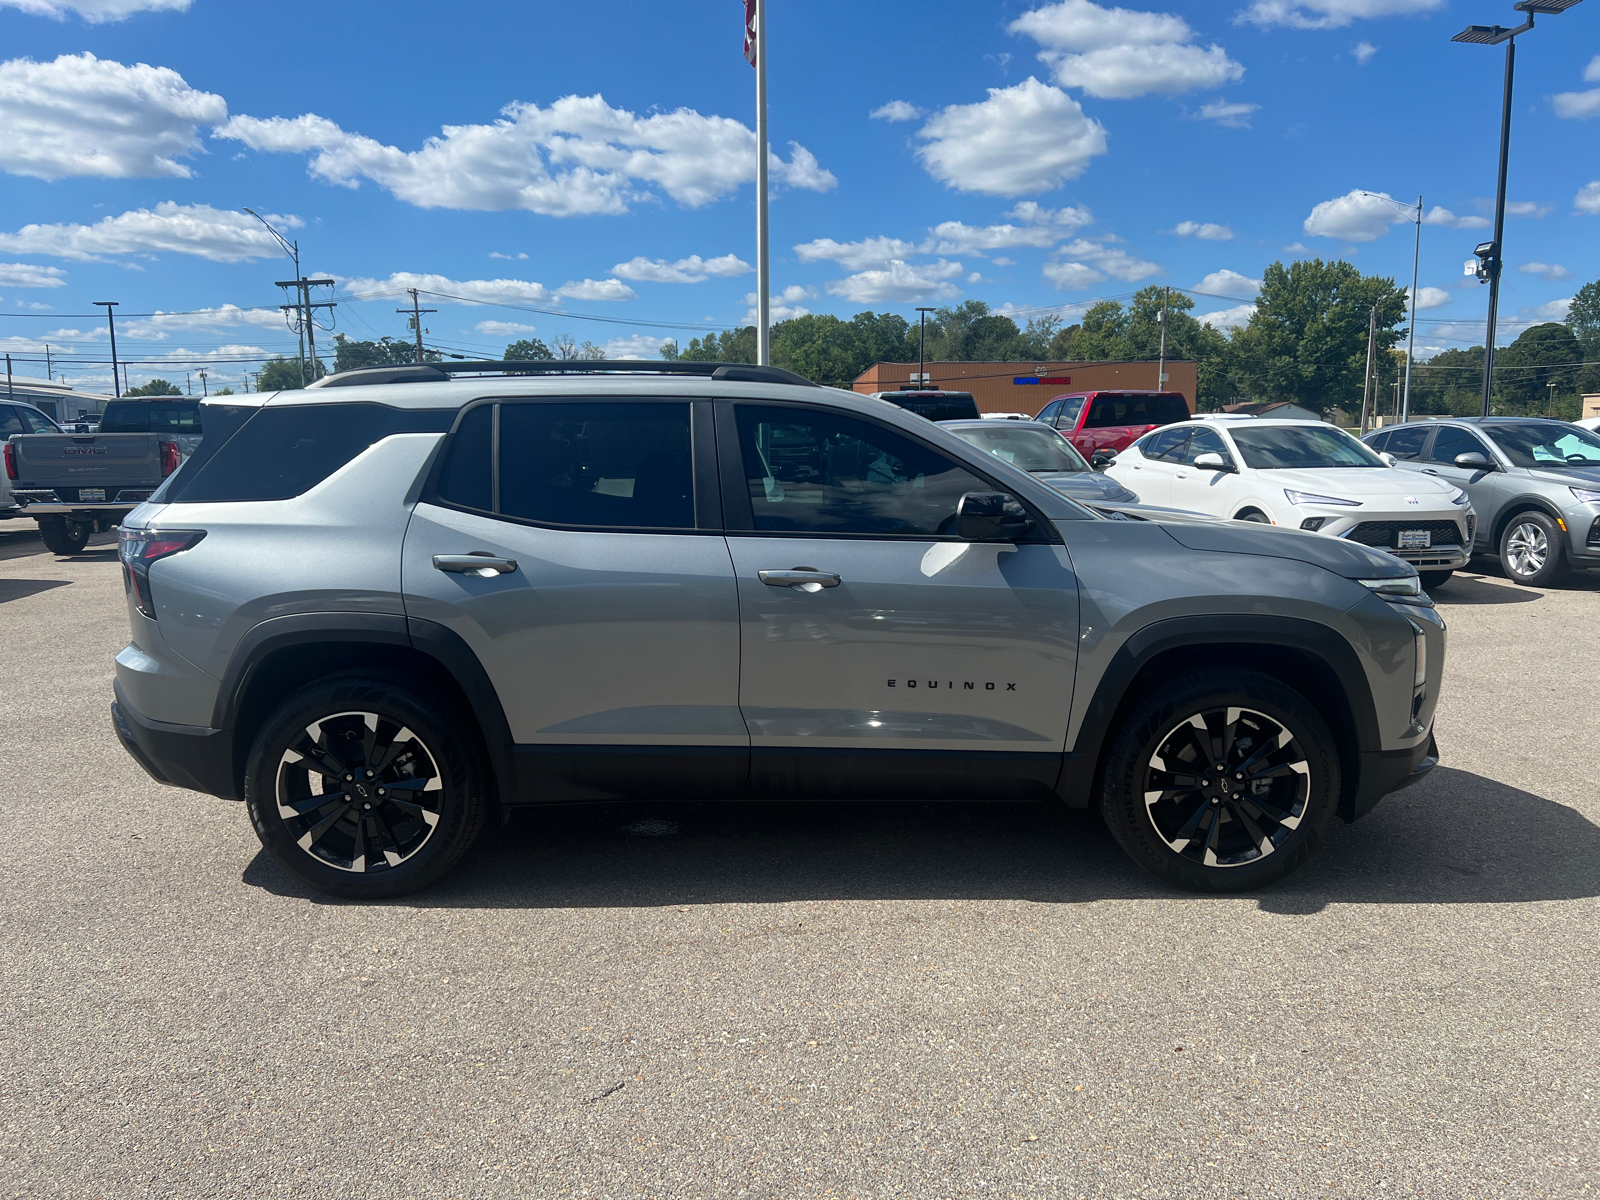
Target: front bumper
[
  {"x": 186, "y": 756},
  {"x": 1441, "y": 558},
  {"x": 1385, "y": 771}
]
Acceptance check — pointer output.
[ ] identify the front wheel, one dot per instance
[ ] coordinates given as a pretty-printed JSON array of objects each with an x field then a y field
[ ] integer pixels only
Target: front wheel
[
  {"x": 1220, "y": 781},
  {"x": 1532, "y": 551},
  {"x": 1434, "y": 579},
  {"x": 62, "y": 536},
  {"x": 361, "y": 787},
  {"x": 1254, "y": 516}
]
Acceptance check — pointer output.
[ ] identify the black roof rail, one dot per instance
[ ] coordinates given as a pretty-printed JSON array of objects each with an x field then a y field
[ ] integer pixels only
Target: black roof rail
[{"x": 436, "y": 372}]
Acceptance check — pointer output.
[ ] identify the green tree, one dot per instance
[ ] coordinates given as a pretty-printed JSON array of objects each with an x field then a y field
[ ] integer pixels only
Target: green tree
[
  {"x": 569, "y": 350},
  {"x": 1583, "y": 318},
  {"x": 527, "y": 350},
  {"x": 1307, "y": 340},
  {"x": 385, "y": 352},
  {"x": 225, "y": 391},
  {"x": 733, "y": 346},
  {"x": 1451, "y": 382},
  {"x": 1523, "y": 372},
  {"x": 283, "y": 374},
  {"x": 156, "y": 387}
]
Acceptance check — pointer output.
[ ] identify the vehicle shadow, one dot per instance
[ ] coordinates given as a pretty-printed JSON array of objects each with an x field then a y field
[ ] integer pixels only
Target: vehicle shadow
[
  {"x": 1455, "y": 838},
  {"x": 19, "y": 589},
  {"x": 1465, "y": 589}
]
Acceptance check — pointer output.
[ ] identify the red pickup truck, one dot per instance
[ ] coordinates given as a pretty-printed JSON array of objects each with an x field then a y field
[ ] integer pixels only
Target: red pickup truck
[{"x": 1112, "y": 421}]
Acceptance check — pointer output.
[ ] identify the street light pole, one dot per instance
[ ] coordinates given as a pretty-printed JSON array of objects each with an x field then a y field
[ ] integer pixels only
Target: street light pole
[
  {"x": 1411, "y": 340},
  {"x": 108, "y": 305},
  {"x": 922, "y": 347}
]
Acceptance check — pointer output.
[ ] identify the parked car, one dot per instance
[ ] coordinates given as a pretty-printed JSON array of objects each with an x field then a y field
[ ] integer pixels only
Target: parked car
[
  {"x": 17, "y": 418},
  {"x": 1042, "y": 452},
  {"x": 1303, "y": 475},
  {"x": 1592, "y": 424},
  {"x": 1111, "y": 421},
  {"x": 935, "y": 405},
  {"x": 376, "y": 609},
  {"x": 1535, "y": 483}
]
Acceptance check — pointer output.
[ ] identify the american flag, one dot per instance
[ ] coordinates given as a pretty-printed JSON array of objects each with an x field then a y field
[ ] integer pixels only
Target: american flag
[{"x": 750, "y": 32}]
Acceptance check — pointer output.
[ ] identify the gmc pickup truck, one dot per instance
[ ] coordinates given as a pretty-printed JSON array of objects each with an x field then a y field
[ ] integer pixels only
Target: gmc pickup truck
[{"x": 77, "y": 484}]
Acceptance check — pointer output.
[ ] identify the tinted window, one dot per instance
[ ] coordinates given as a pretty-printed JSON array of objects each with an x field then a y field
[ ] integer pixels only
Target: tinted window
[
  {"x": 1039, "y": 450},
  {"x": 1049, "y": 411},
  {"x": 1453, "y": 441},
  {"x": 1067, "y": 418},
  {"x": 10, "y": 422},
  {"x": 1167, "y": 445},
  {"x": 1405, "y": 442},
  {"x": 1273, "y": 447},
  {"x": 824, "y": 472},
  {"x": 36, "y": 422},
  {"x": 152, "y": 416},
  {"x": 1547, "y": 444},
  {"x": 1206, "y": 441},
  {"x": 951, "y": 406},
  {"x": 279, "y": 452},
  {"x": 609, "y": 464},
  {"x": 464, "y": 476},
  {"x": 1110, "y": 409}
]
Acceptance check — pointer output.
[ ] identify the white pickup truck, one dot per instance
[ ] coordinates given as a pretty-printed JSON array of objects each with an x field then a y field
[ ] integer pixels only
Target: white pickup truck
[{"x": 77, "y": 484}]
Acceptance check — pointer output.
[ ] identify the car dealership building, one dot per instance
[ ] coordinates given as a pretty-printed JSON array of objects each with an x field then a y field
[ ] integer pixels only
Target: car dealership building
[{"x": 1026, "y": 387}]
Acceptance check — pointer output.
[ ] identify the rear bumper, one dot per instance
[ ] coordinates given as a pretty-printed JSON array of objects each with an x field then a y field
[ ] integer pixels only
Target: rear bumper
[
  {"x": 119, "y": 510},
  {"x": 1385, "y": 771},
  {"x": 186, "y": 756}
]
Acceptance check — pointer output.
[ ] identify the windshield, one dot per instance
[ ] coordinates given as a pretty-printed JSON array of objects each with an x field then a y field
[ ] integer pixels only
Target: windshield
[
  {"x": 1547, "y": 444},
  {"x": 1036, "y": 450},
  {"x": 1287, "y": 446},
  {"x": 147, "y": 416},
  {"x": 939, "y": 406}
]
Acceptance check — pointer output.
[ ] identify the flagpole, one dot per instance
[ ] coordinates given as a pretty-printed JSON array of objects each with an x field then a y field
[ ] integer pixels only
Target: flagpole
[{"x": 763, "y": 270}]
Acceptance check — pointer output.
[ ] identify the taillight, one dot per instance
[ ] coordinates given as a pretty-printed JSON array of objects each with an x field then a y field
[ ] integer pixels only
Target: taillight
[
  {"x": 139, "y": 548},
  {"x": 11, "y": 461},
  {"x": 169, "y": 458}
]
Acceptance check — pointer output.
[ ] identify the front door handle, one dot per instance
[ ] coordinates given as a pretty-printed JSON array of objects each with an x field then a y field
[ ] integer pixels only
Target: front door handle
[
  {"x": 803, "y": 579},
  {"x": 1429, "y": 471},
  {"x": 478, "y": 562}
]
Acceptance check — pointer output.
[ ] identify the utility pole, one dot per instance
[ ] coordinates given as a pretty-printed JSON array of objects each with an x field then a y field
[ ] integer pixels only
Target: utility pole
[
  {"x": 1411, "y": 338},
  {"x": 416, "y": 320},
  {"x": 188, "y": 385},
  {"x": 307, "y": 310},
  {"x": 204, "y": 390},
  {"x": 922, "y": 348},
  {"x": 1366, "y": 389},
  {"x": 48, "y": 374},
  {"x": 11, "y": 396},
  {"x": 1161, "y": 365},
  {"x": 108, "y": 305},
  {"x": 1550, "y": 404}
]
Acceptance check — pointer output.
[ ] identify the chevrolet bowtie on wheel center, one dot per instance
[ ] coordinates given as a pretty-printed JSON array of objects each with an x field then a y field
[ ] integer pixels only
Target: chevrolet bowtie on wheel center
[{"x": 387, "y": 608}]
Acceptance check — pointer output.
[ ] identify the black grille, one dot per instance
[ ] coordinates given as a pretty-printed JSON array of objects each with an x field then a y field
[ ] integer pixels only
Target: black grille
[
  {"x": 1594, "y": 533},
  {"x": 1386, "y": 534}
]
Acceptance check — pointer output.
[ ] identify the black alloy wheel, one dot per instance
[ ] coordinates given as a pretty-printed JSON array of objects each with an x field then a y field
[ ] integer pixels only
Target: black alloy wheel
[
  {"x": 361, "y": 788},
  {"x": 1221, "y": 781},
  {"x": 1533, "y": 550}
]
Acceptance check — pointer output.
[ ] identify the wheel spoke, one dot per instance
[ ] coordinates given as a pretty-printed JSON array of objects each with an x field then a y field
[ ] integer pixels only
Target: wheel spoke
[
  {"x": 1277, "y": 772},
  {"x": 314, "y": 835},
  {"x": 431, "y": 784},
  {"x": 387, "y": 844},
  {"x": 1181, "y": 839},
  {"x": 427, "y": 814},
  {"x": 1263, "y": 843},
  {"x": 310, "y": 804},
  {"x": 358, "y": 853},
  {"x": 397, "y": 745},
  {"x": 315, "y": 758}
]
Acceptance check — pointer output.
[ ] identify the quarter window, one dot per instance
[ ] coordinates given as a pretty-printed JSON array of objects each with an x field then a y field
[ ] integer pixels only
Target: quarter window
[{"x": 821, "y": 472}]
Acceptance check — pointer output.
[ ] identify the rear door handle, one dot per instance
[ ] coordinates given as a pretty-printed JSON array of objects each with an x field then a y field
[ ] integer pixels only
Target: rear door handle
[
  {"x": 478, "y": 562},
  {"x": 804, "y": 579}
]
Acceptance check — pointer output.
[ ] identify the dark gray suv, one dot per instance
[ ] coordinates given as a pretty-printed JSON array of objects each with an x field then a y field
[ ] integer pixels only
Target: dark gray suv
[{"x": 385, "y": 607}]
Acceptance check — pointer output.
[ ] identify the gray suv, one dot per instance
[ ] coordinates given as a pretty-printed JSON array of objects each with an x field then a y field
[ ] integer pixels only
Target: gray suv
[
  {"x": 379, "y": 610},
  {"x": 1534, "y": 483}
]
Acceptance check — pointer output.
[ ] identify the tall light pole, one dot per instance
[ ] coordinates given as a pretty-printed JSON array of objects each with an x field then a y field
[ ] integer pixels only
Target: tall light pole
[
  {"x": 292, "y": 249},
  {"x": 108, "y": 305},
  {"x": 1491, "y": 255},
  {"x": 1416, "y": 260},
  {"x": 922, "y": 348}
]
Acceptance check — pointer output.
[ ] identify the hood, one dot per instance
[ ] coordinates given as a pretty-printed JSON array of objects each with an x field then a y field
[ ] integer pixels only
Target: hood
[
  {"x": 1551, "y": 473},
  {"x": 1089, "y": 486},
  {"x": 1350, "y": 559},
  {"x": 1360, "y": 483}
]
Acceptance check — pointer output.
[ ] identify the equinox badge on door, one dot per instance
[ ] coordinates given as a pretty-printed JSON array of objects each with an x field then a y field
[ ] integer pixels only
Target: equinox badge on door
[{"x": 934, "y": 683}]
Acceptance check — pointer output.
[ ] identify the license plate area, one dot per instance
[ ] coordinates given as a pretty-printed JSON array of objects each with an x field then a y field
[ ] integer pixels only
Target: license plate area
[
  {"x": 1414, "y": 539},
  {"x": 91, "y": 495}
]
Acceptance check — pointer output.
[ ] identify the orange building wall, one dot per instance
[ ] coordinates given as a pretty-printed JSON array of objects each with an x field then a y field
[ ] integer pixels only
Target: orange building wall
[{"x": 992, "y": 386}]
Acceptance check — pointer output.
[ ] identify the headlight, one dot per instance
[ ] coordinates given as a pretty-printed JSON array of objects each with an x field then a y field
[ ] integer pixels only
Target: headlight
[
  {"x": 1313, "y": 498},
  {"x": 1463, "y": 498},
  {"x": 1405, "y": 585},
  {"x": 1586, "y": 495}
]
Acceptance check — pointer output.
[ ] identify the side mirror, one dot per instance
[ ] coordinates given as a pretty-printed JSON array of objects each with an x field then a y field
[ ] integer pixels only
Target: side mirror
[
  {"x": 1473, "y": 460},
  {"x": 1102, "y": 458},
  {"x": 991, "y": 517},
  {"x": 1212, "y": 461},
  {"x": 1389, "y": 460}
]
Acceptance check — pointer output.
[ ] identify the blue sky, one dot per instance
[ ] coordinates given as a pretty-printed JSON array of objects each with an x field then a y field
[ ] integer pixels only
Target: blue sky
[{"x": 598, "y": 160}]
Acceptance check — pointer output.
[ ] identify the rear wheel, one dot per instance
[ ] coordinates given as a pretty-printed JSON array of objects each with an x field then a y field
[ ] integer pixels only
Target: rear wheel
[
  {"x": 1255, "y": 516},
  {"x": 1220, "y": 781},
  {"x": 62, "y": 536},
  {"x": 360, "y": 787},
  {"x": 1434, "y": 579},
  {"x": 1532, "y": 550}
]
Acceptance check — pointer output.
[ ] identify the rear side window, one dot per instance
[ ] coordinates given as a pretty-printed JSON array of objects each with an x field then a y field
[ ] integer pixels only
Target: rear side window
[
  {"x": 279, "y": 452},
  {"x": 1067, "y": 418},
  {"x": 152, "y": 416},
  {"x": 1453, "y": 441},
  {"x": 1405, "y": 443},
  {"x": 952, "y": 406},
  {"x": 10, "y": 421},
  {"x": 465, "y": 476},
  {"x": 1166, "y": 446},
  {"x": 36, "y": 422},
  {"x": 1112, "y": 409}
]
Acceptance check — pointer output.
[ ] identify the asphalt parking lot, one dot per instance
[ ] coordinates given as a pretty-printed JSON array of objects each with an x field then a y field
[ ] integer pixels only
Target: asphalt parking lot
[{"x": 803, "y": 1001}]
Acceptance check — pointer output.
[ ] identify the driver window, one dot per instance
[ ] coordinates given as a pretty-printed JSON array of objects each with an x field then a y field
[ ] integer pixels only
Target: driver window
[
  {"x": 821, "y": 472},
  {"x": 1206, "y": 441},
  {"x": 1167, "y": 445},
  {"x": 1451, "y": 441}
]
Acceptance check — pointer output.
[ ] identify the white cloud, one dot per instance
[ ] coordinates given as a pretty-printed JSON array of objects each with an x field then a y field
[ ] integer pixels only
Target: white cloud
[
  {"x": 442, "y": 287},
  {"x": 900, "y": 281},
  {"x": 96, "y": 12},
  {"x": 227, "y": 316},
  {"x": 1577, "y": 106},
  {"x": 782, "y": 307},
  {"x": 506, "y": 257},
  {"x": 640, "y": 345},
  {"x": 1355, "y": 217},
  {"x": 953, "y": 237},
  {"x": 1206, "y": 232},
  {"x": 198, "y": 229},
  {"x": 1329, "y": 14},
  {"x": 1105, "y": 259},
  {"x": 1070, "y": 276},
  {"x": 80, "y": 116},
  {"x": 1591, "y": 73},
  {"x": 596, "y": 289},
  {"x": 1027, "y": 138},
  {"x": 1118, "y": 53},
  {"x": 1430, "y": 297},
  {"x": 1068, "y": 219},
  {"x": 1234, "y": 115},
  {"x": 507, "y": 329},
  {"x": 1547, "y": 271},
  {"x": 1297, "y": 248},
  {"x": 1443, "y": 216},
  {"x": 855, "y": 256},
  {"x": 1228, "y": 283},
  {"x": 1588, "y": 198},
  {"x": 896, "y": 110},
  {"x": 1527, "y": 208},
  {"x": 26, "y": 275},
  {"x": 1555, "y": 310},
  {"x": 693, "y": 269},
  {"x": 1362, "y": 52},
  {"x": 1229, "y": 318},
  {"x": 1000, "y": 261},
  {"x": 579, "y": 156}
]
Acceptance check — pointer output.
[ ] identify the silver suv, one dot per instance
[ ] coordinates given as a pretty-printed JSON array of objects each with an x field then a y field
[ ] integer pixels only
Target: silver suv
[{"x": 379, "y": 610}]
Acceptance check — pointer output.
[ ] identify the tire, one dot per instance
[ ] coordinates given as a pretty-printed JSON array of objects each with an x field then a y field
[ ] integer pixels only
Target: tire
[
  {"x": 404, "y": 825},
  {"x": 1159, "y": 814},
  {"x": 61, "y": 537},
  {"x": 1434, "y": 579},
  {"x": 1533, "y": 550},
  {"x": 1254, "y": 516}
]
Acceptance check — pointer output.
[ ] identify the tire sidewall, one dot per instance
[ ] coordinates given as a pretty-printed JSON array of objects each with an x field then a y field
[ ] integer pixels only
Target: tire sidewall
[
  {"x": 442, "y": 730},
  {"x": 1149, "y": 720},
  {"x": 1554, "y": 562}
]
